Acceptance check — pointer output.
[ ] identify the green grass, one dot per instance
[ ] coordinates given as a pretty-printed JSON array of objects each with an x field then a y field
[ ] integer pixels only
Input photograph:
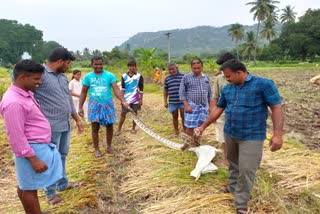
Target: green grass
[{"x": 152, "y": 88}]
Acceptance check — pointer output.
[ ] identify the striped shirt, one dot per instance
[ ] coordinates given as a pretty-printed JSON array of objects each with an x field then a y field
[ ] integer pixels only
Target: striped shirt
[
  {"x": 172, "y": 85},
  {"x": 196, "y": 89},
  {"x": 24, "y": 121},
  {"x": 55, "y": 100},
  {"x": 246, "y": 107},
  {"x": 132, "y": 87}
]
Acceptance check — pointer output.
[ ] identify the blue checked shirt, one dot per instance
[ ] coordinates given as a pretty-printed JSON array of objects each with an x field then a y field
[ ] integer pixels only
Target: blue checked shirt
[
  {"x": 55, "y": 100},
  {"x": 195, "y": 89},
  {"x": 246, "y": 107}
]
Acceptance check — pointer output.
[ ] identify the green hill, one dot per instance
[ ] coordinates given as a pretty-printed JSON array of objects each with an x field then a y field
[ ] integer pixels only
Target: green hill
[{"x": 193, "y": 40}]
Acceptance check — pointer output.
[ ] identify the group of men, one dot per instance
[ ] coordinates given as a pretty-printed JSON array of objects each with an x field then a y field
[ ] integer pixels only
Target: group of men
[
  {"x": 37, "y": 107},
  {"x": 244, "y": 99}
]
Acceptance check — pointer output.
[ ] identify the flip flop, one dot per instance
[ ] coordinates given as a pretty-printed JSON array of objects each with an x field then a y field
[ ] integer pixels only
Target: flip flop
[
  {"x": 54, "y": 200},
  {"x": 72, "y": 185},
  {"x": 98, "y": 154}
]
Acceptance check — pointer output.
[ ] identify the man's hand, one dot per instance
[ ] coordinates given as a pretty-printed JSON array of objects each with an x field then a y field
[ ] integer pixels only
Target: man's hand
[
  {"x": 80, "y": 126},
  {"x": 140, "y": 103},
  {"x": 188, "y": 109},
  {"x": 275, "y": 143},
  {"x": 126, "y": 105},
  {"x": 81, "y": 112},
  {"x": 198, "y": 131},
  {"x": 37, "y": 165},
  {"x": 166, "y": 105}
]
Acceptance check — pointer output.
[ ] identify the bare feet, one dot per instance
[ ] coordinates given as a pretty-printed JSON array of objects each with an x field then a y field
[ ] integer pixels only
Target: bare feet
[
  {"x": 117, "y": 133},
  {"x": 109, "y": 150},
  {"x": 133, "y": 131}
]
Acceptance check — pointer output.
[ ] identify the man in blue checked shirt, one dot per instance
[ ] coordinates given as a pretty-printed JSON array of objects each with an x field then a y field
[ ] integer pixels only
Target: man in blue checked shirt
[
  {"x": 195, "y": 94},
  {"x": 245, "y": 102}
]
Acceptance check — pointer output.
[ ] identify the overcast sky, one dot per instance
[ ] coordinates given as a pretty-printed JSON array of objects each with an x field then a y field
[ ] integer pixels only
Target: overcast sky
[{"x": 103, "y": 24}]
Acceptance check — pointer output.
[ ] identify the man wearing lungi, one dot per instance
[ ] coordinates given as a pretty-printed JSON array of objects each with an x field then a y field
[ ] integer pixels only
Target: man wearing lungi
[
  {"x": 37, "y": 161},
  {"x": 195, "y": 93},
  {"x": 100, "y": 84}
]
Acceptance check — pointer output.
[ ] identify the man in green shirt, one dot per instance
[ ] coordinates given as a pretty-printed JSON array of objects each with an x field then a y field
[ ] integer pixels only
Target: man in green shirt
[{"x": 218, "y": 84}]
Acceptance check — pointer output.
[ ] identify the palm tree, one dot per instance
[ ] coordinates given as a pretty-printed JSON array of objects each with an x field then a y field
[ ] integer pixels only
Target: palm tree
[
  {"x": 250, "y": 45},
  {"x": 262, "y": 10},
  {"x": 288, "y": 15},
  {"x": 268, "y": 31},
  {"x": 236, "y": 33}
]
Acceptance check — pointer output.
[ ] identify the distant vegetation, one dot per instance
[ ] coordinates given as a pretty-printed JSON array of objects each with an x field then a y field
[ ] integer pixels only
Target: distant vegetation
[{"x": 197, "y": 40}]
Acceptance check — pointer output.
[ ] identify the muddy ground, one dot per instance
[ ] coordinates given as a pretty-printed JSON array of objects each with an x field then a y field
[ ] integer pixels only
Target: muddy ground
[{"x": 301, "y": 104}]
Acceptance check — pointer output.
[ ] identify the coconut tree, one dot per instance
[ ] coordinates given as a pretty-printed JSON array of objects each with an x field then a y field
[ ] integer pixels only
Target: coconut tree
[
  {"x": 236, "y": 33},
  {"x": 250, "y": 45},
  {"x": 288, "y": 15},
  {"x": 262, "y": 10},
  {"x": 268, "y": 32}
]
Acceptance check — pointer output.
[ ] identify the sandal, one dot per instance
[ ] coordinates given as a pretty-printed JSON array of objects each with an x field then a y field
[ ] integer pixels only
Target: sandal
[
  {"x": 97, "y": 154},
  {"x": 72, "y": 185},
  {"x": 242, "y": 211},
  {"x": 54, "y": 200}
]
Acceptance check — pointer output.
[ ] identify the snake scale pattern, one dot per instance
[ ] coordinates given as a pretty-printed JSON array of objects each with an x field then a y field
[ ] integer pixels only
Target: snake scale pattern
[{"x": 188, "y": 141}]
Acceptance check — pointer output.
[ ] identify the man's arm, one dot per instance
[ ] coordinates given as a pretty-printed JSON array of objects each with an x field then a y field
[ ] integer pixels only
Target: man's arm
[
  {"x": 141, "y": 86},
  {"x": 165, "y": 98},
  {"x": 141, "y": 97},
  {"x": 212, "y": 104},
  {"x": 213, "y": 116},
  {"x": 278, "y": 121},
  {"x": 37, "y": 165},
  {"x": 183, "y": 96},
  {"x": 14, "y": 119},
  {"x": 118, "y": 93},
  {"x": 187, "y": 107},
  {"x": 83, "y": 96},
  {"x": 78, "y": 121}
]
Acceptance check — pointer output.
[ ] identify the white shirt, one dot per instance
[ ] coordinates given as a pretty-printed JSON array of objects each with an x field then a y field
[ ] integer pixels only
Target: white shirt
[{"x": 75, "y": 87}]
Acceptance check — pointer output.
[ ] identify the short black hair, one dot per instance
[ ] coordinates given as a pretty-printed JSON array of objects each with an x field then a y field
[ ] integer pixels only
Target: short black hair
[
  {"x": 196, "y": 61},
  {"x": 225, "y": 57},
  {"x": 234, "y": 65},
  {"x": 132, "y": 62},
  {"x": 171, "y": 64},
  {"x": 27, "y": 67},
  {"x": 94, "y": 58},
  {"x": 60, "y": 53}
]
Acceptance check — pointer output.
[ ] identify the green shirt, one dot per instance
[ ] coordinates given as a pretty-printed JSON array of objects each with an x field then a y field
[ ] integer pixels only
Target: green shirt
[{"x": 218, "y": 84}]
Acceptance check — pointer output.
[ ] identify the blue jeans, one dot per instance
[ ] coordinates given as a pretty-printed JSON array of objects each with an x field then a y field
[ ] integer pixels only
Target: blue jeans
[{"x": 62, "y": 142}]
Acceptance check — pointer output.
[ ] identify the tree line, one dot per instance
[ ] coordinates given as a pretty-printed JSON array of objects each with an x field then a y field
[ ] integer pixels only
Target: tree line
[{"x": 297, "y": 41}]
